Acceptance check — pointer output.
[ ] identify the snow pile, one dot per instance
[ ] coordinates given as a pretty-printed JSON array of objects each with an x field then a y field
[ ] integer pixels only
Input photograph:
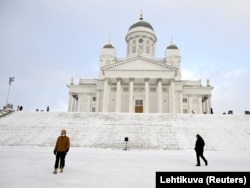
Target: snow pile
[{"x": 145, "y": 131}]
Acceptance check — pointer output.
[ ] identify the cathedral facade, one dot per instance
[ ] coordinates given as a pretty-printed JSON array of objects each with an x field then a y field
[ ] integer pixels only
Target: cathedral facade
[{"x": 140, "y": 82}]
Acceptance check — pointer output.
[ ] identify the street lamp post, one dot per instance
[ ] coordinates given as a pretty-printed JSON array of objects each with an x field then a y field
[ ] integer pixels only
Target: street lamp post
[{"x": 11, "y": 79}]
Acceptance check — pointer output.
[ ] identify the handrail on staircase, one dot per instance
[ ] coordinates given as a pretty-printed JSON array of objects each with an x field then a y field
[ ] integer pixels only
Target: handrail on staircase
[{"x": 5, "y": 112}]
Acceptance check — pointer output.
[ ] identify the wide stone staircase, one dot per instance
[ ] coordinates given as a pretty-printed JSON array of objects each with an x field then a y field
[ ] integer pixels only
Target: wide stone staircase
[{"x": 108, "y": 130}]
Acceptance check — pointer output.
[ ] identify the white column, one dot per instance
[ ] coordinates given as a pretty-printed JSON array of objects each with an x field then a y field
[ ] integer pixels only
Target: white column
[
  {"x": 209, "y": 105},
  {"x": 74, "y": 104},
  {"x": 131, "y": 93},
  {"x": 181, "y": 102},
  {"x": 169, "y": 98},
  {"x": 159, "y": 96},
  {"x": 79, "y": 103},
  {"x": 172, "y": 97},
  {"x": 190, "y": 104},
  {"x": 118, "y": 95},
  {"x": 146, "y": 95},
  {"x": 97, "y": 101},
  {"x": 105, "y": 96},
  {"x": 200, "y": 105},
  {"x": 204, "y": 106},
  {"x": 70, "y": 103}
]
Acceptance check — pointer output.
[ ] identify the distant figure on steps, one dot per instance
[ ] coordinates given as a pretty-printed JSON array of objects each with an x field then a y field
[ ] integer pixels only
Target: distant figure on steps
[
  {"x": 199, "y": 149},
  {"x": 61, "y": 149}
]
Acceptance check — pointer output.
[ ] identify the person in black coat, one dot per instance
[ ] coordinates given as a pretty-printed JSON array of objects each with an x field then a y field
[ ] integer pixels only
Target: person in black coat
[{"x": 199, "y": 149}]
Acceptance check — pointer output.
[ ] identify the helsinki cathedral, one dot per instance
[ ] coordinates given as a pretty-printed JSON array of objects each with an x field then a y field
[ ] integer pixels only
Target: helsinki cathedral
[{"x": 140, "y": 82}]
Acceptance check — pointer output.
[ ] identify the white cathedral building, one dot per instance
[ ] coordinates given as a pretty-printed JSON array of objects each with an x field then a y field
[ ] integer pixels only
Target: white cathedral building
[{"x": 140, "y": 82}]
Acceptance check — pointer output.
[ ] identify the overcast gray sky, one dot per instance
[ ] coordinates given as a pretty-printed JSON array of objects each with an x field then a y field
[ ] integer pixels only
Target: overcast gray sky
[{"x": 43, "y": 43}]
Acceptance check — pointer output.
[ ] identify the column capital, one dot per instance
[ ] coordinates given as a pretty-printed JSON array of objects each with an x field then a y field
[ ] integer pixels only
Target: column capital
[
  {"x": 131, "y": 79},
  {"x": 75, "y": 96},
  {"x": 146, "y": 79},
  {"x": 119, "y": 79},
  {"x": 159, "y": 79}
]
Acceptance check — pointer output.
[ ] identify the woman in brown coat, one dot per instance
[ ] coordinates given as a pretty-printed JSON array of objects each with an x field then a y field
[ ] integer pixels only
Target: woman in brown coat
[{"x": 60, "y": 150}]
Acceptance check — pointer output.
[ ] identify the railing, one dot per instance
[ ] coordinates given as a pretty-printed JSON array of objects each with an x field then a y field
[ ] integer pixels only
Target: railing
[{"x": 5, "y": 112}]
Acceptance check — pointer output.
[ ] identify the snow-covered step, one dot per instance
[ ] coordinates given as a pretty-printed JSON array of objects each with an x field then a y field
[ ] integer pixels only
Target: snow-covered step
[{"x": 108, "y": 130}]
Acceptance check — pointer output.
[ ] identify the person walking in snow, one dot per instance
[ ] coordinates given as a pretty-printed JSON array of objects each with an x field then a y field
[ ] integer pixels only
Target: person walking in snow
[
  {"x": 61, "y": 149},
  {"x": 199, "y": 149}
]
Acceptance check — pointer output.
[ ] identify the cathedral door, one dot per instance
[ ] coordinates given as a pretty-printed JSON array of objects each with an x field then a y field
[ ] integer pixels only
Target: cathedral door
[
  {"x": 139, "y": 106},
  {"x": 138, "y": 109}
]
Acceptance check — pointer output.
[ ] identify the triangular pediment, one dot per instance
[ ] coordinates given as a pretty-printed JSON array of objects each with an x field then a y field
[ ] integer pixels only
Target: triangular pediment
[{"x": 139, "y": 64}]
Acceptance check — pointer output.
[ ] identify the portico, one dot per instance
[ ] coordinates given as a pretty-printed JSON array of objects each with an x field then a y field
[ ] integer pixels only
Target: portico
[{"x": 136, "y": 93}]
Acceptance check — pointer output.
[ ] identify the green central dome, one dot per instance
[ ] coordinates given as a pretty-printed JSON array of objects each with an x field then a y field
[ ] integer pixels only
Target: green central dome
[{"x": 141, "y": 23}]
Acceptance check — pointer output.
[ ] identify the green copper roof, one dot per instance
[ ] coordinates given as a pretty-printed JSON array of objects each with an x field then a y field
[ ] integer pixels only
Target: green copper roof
[
  {"x": 141, "y": 23},
  {"x": 108, "y": 46},
  {"x": 172, "y": 46}
]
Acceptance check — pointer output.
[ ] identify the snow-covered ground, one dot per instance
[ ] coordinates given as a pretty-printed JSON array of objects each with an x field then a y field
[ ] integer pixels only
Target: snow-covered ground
[
  {"x": 106, "y": 168},
  {"x": 157, "y": 142}
]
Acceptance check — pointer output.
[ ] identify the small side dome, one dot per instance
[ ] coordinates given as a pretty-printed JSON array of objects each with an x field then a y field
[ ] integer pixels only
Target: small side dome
[
  {"x": 108, "y": 46},
  {"x": 108, "y": 50},
  {"x": 172, "y": 47}
]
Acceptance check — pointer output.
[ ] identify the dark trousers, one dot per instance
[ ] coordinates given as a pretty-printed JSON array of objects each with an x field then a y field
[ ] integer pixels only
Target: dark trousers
[
  {"x": 60, "y": 157},
  {"x": 199, "y": 154}
]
